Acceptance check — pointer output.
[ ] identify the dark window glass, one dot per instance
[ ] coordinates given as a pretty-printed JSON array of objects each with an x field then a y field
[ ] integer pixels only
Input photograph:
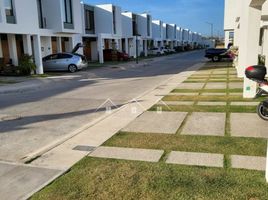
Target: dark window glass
[
  {"x": 9, "y": 7},
  {"x": 64, "y": 56},
  {"x": 67, "y": 11},
  {"x": 40, "y": 13},
  {"x": 89, "y": 21},
  {"x": 114, "y": 20}
]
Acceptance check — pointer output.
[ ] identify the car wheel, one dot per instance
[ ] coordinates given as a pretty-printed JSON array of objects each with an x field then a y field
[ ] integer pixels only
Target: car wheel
[
  {"x": 216, "y": 59},
  {"x": 72, "y": 68}
]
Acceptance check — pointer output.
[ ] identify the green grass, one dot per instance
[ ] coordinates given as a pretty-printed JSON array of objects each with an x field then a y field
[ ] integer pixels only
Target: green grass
[
  {"x": 205, "y": 144},
  {"x": 198, "y": 108},
  {"x": 107, "y": 179},
  {"x": 209, "y": 98},
  {"x": 207, "y": 90},
  {"x": 5, "y": 82}
]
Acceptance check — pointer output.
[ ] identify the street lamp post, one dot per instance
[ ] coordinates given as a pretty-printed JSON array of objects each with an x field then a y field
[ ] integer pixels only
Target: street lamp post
[
  {"x": 212, "y": 28},
  {"x": 137, "y": 48}
]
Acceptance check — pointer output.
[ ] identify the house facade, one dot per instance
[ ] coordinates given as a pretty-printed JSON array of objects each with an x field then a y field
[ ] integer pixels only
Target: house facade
[{"x": 246, "y": 27}]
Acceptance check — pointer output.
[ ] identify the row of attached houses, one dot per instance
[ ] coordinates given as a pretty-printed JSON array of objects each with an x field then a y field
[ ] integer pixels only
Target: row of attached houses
[
  {"x": 246, "y": 27},
  {"x": 43, "y": 27}
]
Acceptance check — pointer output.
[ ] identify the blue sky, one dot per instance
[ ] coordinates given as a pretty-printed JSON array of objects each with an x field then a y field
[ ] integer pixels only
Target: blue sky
[{"x": 192, "y": 14}]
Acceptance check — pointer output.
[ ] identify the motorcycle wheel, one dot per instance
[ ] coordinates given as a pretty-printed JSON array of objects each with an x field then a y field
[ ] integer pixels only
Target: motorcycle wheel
[{"x": 262, "y": 111}]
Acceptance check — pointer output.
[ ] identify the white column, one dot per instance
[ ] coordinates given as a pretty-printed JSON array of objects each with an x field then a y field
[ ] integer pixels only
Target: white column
[
  {"x": 27, "y": 44},
  {"x": 134, "y": 44},
  {"x": 1, "y": 50},
  {"x": 126, "y": 46},
  {"x": 100, "y": 49},
  {"x": 249, "y": 45},
  {"x": 38, "y": 54},
  {"x": 266, "y": 172},
  {"x": 119, "y": 44},
  {"x": 59, "y": 44},
  {"x": 145, "y": 48},
  {"x": 13, "y": 49}
]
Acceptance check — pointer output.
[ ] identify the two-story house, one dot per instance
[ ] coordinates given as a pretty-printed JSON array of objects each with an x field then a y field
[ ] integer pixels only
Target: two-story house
[{"x": 38, "y": 28}]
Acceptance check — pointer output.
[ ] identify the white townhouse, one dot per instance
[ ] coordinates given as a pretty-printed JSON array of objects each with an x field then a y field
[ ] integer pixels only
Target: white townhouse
[
  {"x": 172, "y": 34},
  {"x": 157, "y": 34},
  {"x": 245, "y": 26},
  {"x": 108, "y": 20},
  {"x": 129, "y": 33},
  {"x": 185, "y": 37},
  {"x": 144, "y": 29},
  {"x": 89, "y": 35},
  {"x": 179, "y": 36},
  {"x": 38, "y": 28}
]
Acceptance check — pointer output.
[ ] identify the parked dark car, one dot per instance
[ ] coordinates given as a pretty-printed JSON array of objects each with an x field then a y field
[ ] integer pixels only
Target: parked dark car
[
  {"x": 114, "y": 55},
  {"x": 178, "y": 48},
  {"x": 217, "y": 55}
]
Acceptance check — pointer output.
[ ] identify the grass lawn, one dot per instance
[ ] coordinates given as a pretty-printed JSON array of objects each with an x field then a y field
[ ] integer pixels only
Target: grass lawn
[
  {"x": 107, "y": 179},
  {"x": 209, "y": 98},
  {"x": 207, "y": 90},
  {"x": 206, "y": 144},
  {"x": 197, "y": 108}
]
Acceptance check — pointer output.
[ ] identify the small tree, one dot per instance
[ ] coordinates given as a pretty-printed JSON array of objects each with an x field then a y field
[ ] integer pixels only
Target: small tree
[{"x": 26, "y": 65}]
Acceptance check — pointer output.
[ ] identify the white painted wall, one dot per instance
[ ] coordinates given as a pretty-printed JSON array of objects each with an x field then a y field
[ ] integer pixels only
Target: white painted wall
[
  {"x": 104, "y": 20},
  {"x": 127, "y": 29}
]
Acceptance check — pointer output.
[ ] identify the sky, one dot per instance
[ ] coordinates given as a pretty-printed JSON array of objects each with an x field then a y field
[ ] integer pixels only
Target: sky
[{"x": 191, "y": 14}]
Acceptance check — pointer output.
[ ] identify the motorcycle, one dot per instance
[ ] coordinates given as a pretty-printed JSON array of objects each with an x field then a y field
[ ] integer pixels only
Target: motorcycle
[{"x": 257, "y": 73}]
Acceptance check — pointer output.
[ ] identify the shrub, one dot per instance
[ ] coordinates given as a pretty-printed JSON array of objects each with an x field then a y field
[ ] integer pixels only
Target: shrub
[{"x": 26, "y": 65}]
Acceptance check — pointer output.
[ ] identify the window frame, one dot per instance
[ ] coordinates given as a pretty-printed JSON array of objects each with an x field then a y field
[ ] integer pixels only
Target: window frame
[{"x": 10, "y": 18}]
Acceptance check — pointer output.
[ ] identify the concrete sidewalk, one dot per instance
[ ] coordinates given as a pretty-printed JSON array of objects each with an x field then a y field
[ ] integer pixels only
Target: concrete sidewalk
[{"x": 21, "y": 181}]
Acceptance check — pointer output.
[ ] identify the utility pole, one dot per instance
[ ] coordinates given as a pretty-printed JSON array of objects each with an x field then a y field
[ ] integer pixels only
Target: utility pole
[{"x": 212, "y": 28}]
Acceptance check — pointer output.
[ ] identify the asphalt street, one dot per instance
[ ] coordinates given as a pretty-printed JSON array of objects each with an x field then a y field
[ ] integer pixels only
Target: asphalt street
[{"x": 32, "y": 119}]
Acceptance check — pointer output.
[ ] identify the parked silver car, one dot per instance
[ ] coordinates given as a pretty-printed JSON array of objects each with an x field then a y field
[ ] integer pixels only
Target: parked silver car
[{"x": 64, "y": 62}]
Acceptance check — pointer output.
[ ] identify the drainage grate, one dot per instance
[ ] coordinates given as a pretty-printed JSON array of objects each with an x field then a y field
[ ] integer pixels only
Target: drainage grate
[{"x": 84, "y": 148}]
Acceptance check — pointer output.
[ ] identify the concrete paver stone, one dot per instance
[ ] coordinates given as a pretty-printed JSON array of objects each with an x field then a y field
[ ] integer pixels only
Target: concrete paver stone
[
  {"x": 211, "y": 103},
  {"x": 236, "y": 85},
  {"x": 216, "y": 85},
  {"x": 157, "y": 122},
  {"x": 128, "y": 154},
  {"x": 196, "y": 159},
  {"x": 191, "y": 86},
  {"x": 175, "y": 103},
  {"x": 205, "y": 123},
  {"x": 248, "y": 125},
  {"x": 248, "y": 162}
]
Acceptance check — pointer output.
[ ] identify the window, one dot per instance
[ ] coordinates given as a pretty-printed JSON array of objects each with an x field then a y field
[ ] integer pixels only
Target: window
[
  {"x": 89, "y": 20},
  {"x": 135, "y": 25},
  {"x": 148, "y": 25},
  {"x": 8, "y": 4},
  {"x": 114, "y": 19},
  {"x": 67, "y": 14},
  {"x": 40, "y": 14}
]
